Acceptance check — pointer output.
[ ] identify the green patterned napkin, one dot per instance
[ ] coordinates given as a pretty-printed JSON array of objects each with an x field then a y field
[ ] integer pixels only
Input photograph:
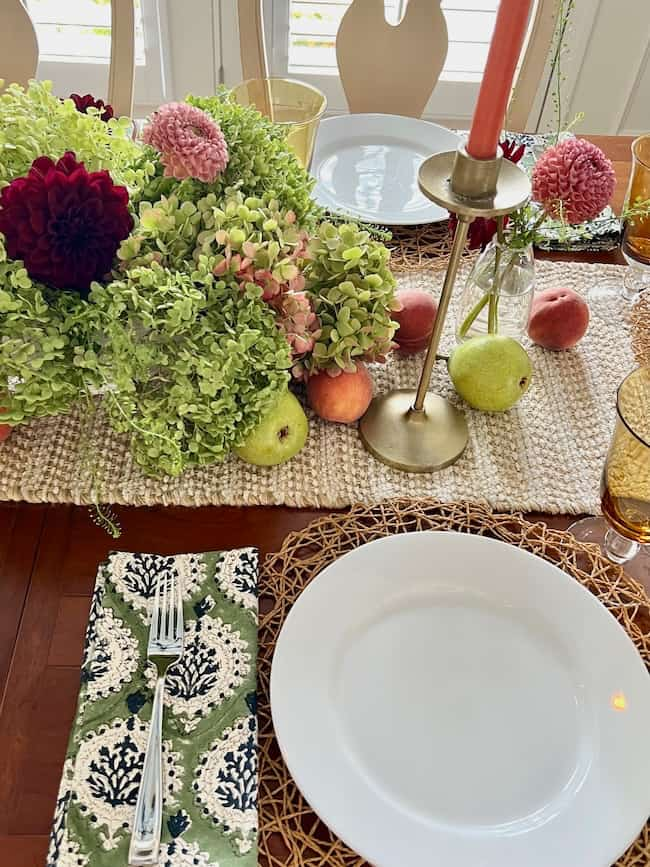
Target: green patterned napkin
[{"x": 209, "y": 730}]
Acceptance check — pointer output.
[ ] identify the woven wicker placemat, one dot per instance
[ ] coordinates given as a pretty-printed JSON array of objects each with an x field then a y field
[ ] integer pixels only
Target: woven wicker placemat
[
  {"x": 291, "y": 835},
  {"x": 413, "y": 248},
  {"x": 544, "y": 455}
]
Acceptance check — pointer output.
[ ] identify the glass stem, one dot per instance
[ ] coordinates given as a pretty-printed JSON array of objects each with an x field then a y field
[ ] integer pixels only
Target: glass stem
[
  {"x": 618, "y": 548},
  {"x": 494, "y": 293},
  {"x": 635, "y": 281}
]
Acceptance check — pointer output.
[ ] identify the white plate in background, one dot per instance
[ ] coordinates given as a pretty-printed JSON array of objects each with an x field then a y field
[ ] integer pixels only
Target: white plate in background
[{"x": 366, "y": 166}]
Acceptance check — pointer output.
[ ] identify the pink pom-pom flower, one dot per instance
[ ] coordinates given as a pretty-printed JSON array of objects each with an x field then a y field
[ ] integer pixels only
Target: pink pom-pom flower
[
  {"x": 573, "y": 180},
  {"x": 191, "y": 144}
]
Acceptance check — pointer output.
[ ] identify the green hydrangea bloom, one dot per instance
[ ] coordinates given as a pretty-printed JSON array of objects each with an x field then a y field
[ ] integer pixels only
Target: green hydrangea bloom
[
  {"x": 192, "y": 367},
  {"x": 40, "y": 332},
  {"x": 165, "y": 232},
  {"x": 179, "y": 235},
  {"x": 348, "y": 276},
  {"x": 353, "y": 292},
  {"x": 34, "y": 123}
]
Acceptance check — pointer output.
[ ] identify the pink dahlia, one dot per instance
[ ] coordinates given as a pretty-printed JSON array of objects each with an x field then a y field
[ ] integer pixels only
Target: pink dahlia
[
  {"x": 64, "y": 223},
  {"x": 573, "y": 180},
  {"x": 191, "y": 144}
]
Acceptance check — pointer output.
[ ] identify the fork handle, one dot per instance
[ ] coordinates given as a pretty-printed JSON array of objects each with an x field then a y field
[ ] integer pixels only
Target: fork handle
[{"x": 147, "y": 824}]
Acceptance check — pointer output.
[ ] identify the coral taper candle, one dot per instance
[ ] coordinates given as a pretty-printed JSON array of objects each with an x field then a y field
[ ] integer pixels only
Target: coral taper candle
[{"x": 505, "y": 48}]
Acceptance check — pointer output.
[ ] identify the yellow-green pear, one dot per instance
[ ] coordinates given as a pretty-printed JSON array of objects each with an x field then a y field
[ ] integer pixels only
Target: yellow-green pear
[
  {"x": 491, "y": 372},
  {"x": 280, "y": 434}
]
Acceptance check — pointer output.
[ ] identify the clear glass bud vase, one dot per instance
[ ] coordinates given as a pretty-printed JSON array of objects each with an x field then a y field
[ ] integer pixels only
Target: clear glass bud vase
[{"x": 498, "y": 293}]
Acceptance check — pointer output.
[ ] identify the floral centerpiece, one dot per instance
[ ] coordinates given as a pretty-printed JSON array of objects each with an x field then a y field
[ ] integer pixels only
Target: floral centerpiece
[{"x": 186, "y": 279}]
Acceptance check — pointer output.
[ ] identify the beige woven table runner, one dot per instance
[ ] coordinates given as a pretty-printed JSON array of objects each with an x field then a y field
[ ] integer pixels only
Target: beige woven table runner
[{"x": 546, "y": 454}]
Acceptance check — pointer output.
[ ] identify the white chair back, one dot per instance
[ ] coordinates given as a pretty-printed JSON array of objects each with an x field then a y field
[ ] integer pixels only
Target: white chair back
[
  {"x": 19, "y": 51},
  {"x": 394, "y": 70}
]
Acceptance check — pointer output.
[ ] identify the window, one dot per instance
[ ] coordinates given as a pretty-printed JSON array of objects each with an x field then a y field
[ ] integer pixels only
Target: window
[
  {"x": 301, "y": 42},
  {"x": 74, "y": 38}
]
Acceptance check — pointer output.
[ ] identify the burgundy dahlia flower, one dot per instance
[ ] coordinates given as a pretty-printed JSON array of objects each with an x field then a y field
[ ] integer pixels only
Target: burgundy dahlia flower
[
  {"x": 64, "y": 223},
  {"x": 83, "y": 103}
]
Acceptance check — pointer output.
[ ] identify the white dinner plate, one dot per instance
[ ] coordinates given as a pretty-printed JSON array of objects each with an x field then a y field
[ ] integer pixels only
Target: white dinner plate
[
  {"x": 447, "y": 699},
  {"x": 366, "y": 166}
]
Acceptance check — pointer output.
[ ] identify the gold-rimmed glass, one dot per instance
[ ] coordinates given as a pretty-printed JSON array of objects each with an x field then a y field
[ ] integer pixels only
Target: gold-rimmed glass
[
  {"x": 635, "y": 243},
  {"x": 292, "y": 104},
  {"x": 625, "y": 483}
]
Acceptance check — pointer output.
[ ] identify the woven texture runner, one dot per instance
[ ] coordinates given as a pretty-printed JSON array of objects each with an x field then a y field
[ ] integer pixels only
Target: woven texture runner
[
  {"x": 546, "y": 454},
  {"x": 290, "y": 833}
]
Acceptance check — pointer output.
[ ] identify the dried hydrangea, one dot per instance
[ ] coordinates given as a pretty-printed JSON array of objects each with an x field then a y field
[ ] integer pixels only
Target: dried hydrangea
[
  {"x": 193, "y": 367},
  {"x": 297, "y": 321},
  {"x": 35, "y": 123},
  {"x": 353, "y": 292},
  {"x": 254, "y": 241}
]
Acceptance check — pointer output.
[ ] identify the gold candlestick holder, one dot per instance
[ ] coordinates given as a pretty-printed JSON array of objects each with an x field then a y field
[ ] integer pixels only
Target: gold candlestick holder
[{"x": 416, "y": 430}]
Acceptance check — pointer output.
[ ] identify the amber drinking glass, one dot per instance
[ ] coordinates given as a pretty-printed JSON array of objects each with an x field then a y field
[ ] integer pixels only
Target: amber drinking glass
[
  {"x": 625, "y": 484},
  {"x": 635, "y": 244},
  {"x": 297, "y": 106}
]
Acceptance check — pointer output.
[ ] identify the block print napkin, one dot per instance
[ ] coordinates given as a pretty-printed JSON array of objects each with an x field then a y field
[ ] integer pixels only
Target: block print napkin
[{"x": 209, "y": 730}]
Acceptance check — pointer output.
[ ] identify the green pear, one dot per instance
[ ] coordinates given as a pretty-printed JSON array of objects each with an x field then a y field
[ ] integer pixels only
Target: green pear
[
  {"x": 491, "y": 372},
  {"x": 280, "y": 434}
]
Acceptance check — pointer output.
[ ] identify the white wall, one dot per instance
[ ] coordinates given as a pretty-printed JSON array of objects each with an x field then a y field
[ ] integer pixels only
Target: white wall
[{"x": 608, "y": 75}]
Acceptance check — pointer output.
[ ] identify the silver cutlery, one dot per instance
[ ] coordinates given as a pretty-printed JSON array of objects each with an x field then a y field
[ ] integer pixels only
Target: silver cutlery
[{"x": 164, "y": 649}]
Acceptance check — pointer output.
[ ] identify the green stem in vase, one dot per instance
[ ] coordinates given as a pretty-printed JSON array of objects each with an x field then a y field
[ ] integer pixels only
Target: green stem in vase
[
  {"x": 493, "y": 318},
  {"x": 473, "y": 313}
]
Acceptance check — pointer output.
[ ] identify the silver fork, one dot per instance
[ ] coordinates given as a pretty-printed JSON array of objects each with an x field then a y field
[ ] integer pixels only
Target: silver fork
[{"x": 164, "y": 649}]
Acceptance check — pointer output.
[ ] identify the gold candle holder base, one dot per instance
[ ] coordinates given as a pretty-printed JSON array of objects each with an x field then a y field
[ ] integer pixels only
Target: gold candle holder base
[
  {"x": 416, "y": 442},
  {"x": 415, "y": 430}
]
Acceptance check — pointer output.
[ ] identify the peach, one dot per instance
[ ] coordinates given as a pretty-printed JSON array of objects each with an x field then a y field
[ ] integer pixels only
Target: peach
[
  {"x": 416, "y": 318},
  {"x": 5, "y": 429},
  {"x": 343, "y": 398},
  {"x": 558, "y": 318}
]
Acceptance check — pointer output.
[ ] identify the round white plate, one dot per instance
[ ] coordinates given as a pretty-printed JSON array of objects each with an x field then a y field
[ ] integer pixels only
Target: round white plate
[
  {"x": 366, "y": 166},
  {"x": 442, "y": 698}
]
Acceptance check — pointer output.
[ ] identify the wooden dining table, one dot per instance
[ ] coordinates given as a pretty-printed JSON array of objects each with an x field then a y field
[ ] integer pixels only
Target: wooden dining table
[{"x": 48, "y": 560}]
